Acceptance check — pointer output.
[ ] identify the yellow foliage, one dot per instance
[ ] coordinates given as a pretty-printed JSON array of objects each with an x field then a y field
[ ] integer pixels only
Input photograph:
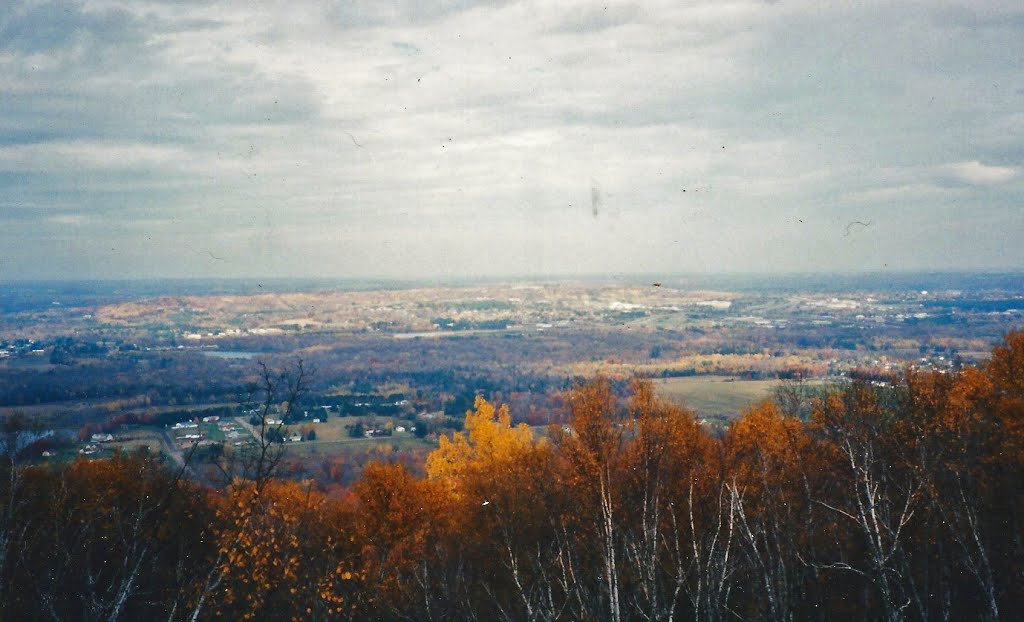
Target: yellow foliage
[{"x": 490, "y": 440}]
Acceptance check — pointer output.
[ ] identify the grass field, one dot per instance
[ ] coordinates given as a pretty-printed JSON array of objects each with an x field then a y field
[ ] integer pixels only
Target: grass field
[
  {"x": 320, "y": 448},
  {"x": 714, "y": 396},
  {"x": 332, "y": 437},
  {"x": 334, "y": 428},
  {"x": 138, "y": 439}
]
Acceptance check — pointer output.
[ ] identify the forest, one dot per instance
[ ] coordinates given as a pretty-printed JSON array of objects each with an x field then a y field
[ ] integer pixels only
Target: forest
[{"x": 863, "y": 501}]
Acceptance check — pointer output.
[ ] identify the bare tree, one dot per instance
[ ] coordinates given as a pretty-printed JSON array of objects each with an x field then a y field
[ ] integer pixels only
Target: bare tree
[
  {"x": 271, "y": 398},
  {"x": 15, "y": 436},
  {"x": 710, "y": 579}
]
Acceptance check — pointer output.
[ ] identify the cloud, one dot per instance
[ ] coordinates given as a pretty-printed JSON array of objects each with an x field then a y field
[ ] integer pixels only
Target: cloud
[
  {"x": 595, "y": 17},
  {"x": 38, "y": 27},
  {"x": 902, "y": 193},
  {"x": 66, "y": 219},
  {"x": 405, "y": 48},
  {"x": 82, "y": 154},
  {"x": 976, "y": 173},
  {"x": 369, "y": 138}
]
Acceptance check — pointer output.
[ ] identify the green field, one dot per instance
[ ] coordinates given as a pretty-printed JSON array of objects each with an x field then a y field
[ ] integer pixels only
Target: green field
[{"x": 715, "y": 396}]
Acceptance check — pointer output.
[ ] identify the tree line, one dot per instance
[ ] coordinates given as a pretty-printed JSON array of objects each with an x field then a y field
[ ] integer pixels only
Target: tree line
[{"x": 863, "y": 502}]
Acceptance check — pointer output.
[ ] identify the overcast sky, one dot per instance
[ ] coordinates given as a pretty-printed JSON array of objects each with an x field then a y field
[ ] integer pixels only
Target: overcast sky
[{"x": 389, "y": 139}]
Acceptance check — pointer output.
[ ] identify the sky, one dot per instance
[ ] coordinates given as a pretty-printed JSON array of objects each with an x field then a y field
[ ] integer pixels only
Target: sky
[{"x": 406, "y": 139}]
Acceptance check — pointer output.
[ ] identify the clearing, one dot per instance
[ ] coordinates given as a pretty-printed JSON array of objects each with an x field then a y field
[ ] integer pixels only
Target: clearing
[{"x": 715, "y": 396}]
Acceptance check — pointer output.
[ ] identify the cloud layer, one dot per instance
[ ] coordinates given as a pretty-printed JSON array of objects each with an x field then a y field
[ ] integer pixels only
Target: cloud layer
[{"x": 143, "y": 139}]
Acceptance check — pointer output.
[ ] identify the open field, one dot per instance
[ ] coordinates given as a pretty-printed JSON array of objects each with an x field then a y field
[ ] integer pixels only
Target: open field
[
  {"x": 334, "y": 428},
  {"x": 715, "y": 396},
  {"x": 399, "y": 441},
  {"x": 142, "y": 438}
]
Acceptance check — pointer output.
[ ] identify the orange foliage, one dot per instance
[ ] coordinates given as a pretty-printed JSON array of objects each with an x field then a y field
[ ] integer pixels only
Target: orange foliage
[{"x": 266, "y": 540}]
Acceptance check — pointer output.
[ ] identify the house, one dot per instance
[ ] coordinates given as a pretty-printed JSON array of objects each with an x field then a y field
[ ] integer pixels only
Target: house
[
  {"x": 399, "y": 428},
  {"x": 211, "y": 419},
  {"x": 295, "y": 438},
  {"x": 102, "y": 438}
]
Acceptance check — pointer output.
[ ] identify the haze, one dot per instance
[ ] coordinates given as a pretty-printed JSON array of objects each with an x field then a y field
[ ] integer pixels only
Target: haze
[{"x": 386, "y": 139}]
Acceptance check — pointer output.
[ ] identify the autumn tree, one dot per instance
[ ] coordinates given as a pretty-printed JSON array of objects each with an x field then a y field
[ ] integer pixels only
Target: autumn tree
[
  {"x": 877, "y": 492},
  {"x": 409, "y": 563},
  {"x": 105, "y": 538},
  {"x": 1003, "y": 412},
  {"x": 890, "y": 502},
  {"x": 592, "y": 451},
  {"x": 506, "y": 491},
  {"x": 285, "y": 553},
  {"x": 953, "y": 442},
  {"x": 668, "y": 475},
  {"x": 771, "y": 476}
]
